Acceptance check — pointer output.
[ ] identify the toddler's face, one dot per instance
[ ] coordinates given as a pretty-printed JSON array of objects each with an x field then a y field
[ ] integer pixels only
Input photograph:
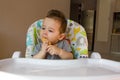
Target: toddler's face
[{"x": 50, "y": 30}]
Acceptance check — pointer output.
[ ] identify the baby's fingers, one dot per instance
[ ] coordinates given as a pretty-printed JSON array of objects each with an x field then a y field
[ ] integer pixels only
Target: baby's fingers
[{"x": 51, "y": 51}]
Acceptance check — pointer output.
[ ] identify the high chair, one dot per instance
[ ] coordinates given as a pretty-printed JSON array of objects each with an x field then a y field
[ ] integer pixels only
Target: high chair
[
  {"x": 75, "y": 34},
  {"x": 77, "y": 69}
]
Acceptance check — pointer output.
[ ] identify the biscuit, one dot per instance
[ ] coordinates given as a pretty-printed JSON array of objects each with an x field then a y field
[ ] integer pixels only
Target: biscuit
[{"x": 46, "y": 40}]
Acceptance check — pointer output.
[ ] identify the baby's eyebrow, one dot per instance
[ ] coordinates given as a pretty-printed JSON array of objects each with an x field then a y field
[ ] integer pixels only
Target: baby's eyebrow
[
  {"x": 43, "y": 26},
  {"x": 51, "y": 28}
]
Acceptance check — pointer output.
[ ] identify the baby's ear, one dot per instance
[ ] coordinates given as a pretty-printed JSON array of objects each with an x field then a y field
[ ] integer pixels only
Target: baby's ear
[{"x": 62, "y": 36}]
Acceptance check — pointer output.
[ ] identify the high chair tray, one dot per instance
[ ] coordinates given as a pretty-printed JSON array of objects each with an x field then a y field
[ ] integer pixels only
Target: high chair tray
[{"x": 79, "y": 69}]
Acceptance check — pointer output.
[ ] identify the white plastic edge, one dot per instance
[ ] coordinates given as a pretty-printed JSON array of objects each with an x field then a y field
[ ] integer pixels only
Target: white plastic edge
[
  {"x": 95, "y": 55},
  {"x": 16, "y": 54}
]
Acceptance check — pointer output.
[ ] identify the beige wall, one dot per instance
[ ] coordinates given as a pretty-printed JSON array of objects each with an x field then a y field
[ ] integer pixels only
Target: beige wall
[{"x": 17, "y": 15}]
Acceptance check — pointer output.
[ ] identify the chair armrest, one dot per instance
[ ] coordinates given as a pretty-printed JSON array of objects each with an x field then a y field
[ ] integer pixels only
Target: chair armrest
[
  {"x": 95, "y": 55},
  {"x": 16, "y": 54}
]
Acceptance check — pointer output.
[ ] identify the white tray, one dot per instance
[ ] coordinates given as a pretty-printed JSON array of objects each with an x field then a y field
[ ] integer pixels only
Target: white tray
[{"x": 80, "y": 69}]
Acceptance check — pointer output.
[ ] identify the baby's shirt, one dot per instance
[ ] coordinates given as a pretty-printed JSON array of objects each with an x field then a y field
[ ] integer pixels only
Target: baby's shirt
[{"x": 61, "y": 44}]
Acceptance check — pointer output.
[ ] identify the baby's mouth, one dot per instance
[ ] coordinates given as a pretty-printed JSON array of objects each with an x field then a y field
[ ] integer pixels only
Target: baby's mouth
[{"x": 45, "y": 40}]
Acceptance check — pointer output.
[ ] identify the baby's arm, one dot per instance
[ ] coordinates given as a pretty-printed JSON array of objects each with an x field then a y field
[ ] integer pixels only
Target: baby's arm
[{"x": 65, "y": 55}]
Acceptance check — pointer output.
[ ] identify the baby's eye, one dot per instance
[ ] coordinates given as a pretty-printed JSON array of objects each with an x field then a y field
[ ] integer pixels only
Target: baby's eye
[
  {"x": 50, "y": 30},
  {"x": 43, "y": 28}
]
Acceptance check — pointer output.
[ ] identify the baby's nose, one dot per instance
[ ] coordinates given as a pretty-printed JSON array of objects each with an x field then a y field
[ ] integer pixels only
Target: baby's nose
[{"x": 45, "y": 34}]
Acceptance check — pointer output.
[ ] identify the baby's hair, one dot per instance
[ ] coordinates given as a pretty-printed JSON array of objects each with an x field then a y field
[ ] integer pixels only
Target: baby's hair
[{"x": 57, "y": 15}]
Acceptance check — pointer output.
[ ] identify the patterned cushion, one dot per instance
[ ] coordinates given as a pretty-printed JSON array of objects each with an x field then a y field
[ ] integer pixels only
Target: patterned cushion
[{"x": 75, "y": 34}]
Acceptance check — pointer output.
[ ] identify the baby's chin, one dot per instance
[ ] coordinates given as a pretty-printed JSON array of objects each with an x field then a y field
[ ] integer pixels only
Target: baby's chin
[{"x": 55, "y": 42}]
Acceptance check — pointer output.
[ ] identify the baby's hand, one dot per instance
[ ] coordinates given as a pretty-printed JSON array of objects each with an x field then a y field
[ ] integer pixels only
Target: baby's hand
[
  {"x": 44, "y": 47},
  {"x": 53, "y": 50},
  {"x": 45, "y": 44}
]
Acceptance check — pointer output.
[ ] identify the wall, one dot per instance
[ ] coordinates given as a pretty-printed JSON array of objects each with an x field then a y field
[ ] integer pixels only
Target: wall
[{"x": 17, "y": 15}]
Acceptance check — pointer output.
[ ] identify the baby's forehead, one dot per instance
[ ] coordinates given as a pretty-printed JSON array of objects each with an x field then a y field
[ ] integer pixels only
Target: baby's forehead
[
  {"x": 52, "y": 19},
  {"x": 51, "y": 23}
]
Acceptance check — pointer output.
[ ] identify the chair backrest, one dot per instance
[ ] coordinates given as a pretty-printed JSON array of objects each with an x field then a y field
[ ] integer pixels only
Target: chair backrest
[{"x": 75, "y": 33}]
